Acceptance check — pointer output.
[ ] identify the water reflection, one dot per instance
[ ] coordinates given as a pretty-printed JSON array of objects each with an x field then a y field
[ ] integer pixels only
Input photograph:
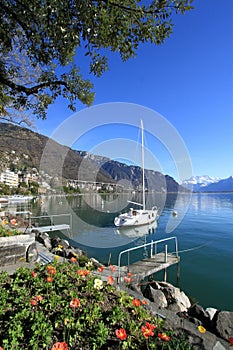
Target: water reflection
[{"x": 137, "y": 231}]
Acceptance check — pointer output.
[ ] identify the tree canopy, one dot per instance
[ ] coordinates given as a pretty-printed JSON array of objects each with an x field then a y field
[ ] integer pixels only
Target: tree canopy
[{"x": 40, "y": 38}]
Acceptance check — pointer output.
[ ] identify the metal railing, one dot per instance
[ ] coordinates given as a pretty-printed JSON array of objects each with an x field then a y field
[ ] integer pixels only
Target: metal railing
[
  {"x": 153, "y": 251},
  {"x": 52, "y": 219}
]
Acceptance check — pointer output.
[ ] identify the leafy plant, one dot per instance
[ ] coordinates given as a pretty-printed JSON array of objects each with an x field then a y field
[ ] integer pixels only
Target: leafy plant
[{"x": 64, "y": 306}]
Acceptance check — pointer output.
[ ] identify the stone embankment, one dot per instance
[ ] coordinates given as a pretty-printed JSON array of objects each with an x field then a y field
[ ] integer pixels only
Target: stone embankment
[{"x": 206, "y": 329}]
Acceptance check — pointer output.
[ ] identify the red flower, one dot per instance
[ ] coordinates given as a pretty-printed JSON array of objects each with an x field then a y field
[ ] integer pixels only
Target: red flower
[
  {"x": 121, "y": 334},
  {"x": 33, "y": 274},
  {"x": 230, "y": 341},
  {"x": 1, "y": 348},
  {"x": 73, "y": 259},
  {"x": 51, "y": 270},
  {"x": 33, "y": 302},
  {"x": 150, "y": 326},
  {"x": 130, "y": 274},
  {"x": 49, "y": 279},
  {"x": 144, "y": 302},
  {"x": 83, "y": 272},
  {"x": 74, "y": 303},
  {"x": 112, "y": 268},
  {"x": 147, "y": 332},
  {"x": 136, "y": 302},
  {"x": 164, "y": 336},
  {"x": 110, "y": 280},
  {"x": 128, "y": 279},
  {"x": 60, "y": 346},
  {"x": 100, "y": 269}
]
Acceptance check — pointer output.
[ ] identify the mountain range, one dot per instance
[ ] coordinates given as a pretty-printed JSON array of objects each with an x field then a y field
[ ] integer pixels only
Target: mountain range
[
  {"x": 23, "y": 148},
  {"x": 208, "y": 184}
]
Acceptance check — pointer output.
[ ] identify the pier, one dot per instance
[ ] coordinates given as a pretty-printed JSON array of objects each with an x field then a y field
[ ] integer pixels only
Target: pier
[
  {"x": 53, "y": 223},
  {"x": 159, "y": 259}
]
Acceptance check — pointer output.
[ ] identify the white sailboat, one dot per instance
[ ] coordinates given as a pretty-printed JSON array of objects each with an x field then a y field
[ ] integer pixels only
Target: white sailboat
[{"x": 138, "y": 217}]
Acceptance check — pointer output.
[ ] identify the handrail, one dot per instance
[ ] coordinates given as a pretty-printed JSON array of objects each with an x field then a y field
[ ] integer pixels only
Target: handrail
[
  {"x": 151, "y": 244},
  {"x": 51, "y": 218}
]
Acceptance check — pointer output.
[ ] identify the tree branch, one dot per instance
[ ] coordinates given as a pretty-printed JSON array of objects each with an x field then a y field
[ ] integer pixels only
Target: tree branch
[{"x": 32, "y": 90}]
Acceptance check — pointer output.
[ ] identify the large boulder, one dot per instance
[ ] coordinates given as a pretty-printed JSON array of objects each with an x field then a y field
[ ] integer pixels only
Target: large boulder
[
  {"x": 224, "y": 324},
  {"x": 177, "y": 300}
]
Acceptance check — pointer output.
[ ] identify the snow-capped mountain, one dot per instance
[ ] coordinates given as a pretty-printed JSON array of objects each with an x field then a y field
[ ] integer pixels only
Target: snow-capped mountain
[{"x": 198, "y": 183}]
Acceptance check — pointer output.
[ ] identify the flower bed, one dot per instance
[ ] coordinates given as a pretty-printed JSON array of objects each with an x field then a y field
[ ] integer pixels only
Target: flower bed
[{"x": 64, "y": 306}]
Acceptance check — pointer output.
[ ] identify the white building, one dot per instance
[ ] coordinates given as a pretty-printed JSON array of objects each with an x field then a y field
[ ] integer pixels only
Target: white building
[{"x": 9, "y": 178}]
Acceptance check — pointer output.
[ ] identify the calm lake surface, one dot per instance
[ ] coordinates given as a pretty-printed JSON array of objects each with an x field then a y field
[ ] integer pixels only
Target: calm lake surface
[{"x": 203, "y": 226}]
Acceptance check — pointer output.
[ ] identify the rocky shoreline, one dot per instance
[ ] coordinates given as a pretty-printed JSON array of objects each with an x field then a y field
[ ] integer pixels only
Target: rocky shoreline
[{"x": 206, "y": 329}]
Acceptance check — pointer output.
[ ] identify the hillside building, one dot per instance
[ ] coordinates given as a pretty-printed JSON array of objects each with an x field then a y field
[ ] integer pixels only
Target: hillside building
[{"x": 9, "y": 178}]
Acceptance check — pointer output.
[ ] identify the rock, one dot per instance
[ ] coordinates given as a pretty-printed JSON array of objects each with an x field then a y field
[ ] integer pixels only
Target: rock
[
  {"x": 43, "y": 238},
  {"x": 157, "y": 296},
  {"x": 177, "y": 300},
  {"x": 218, "y": 346},
  {"x": 224, "y": 324},
  {"x": 197, "y": 312},
  {"x": 211, "y": 312}
]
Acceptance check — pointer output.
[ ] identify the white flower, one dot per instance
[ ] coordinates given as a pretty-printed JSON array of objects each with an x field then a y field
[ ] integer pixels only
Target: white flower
[
  {"x": 98, "y": 284},
  {"x": 89, "y": 264}
]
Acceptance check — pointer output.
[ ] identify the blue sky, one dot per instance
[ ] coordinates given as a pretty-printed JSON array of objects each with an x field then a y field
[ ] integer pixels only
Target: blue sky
[{"x": 187, "y": 81}]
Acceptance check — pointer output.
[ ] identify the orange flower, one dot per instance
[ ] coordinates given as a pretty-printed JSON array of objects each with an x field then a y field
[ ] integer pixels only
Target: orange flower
[
  {"x": 60, "y": 346},
  {"x": 74, "y": 303},
  {"x": 130, "y": 274},
  {"x": 38, "y": 298},
  {"x": 230, "y": 341},
  {"x": 100, "y": 269},
  {"x": 83, "y": 272},
  {"x": 33, "y": 274},
  {"x": 164, "y": 336},
  {"x": 144, "y": 302},
  {"x": 112, "y": 268},
  {"x": 136, "y": 302},
  {"x": 121, "y": 334},
  {"x": 51, "y": 270},
  {"x": 49, "y": 279},
  {"x": 110, "y": 280},
  {"x": 73, "y": 259}
]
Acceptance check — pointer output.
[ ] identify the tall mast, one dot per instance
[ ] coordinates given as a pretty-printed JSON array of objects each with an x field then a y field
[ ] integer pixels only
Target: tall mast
[{"x": 143, "y": 170}]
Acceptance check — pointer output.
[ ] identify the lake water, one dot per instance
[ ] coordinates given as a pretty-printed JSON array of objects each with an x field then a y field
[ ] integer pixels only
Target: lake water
[{"x": 203, "y": 226}]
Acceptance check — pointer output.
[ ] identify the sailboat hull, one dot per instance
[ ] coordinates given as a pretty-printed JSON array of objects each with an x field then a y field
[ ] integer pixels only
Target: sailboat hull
[{"x": 136, "y": 218}]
